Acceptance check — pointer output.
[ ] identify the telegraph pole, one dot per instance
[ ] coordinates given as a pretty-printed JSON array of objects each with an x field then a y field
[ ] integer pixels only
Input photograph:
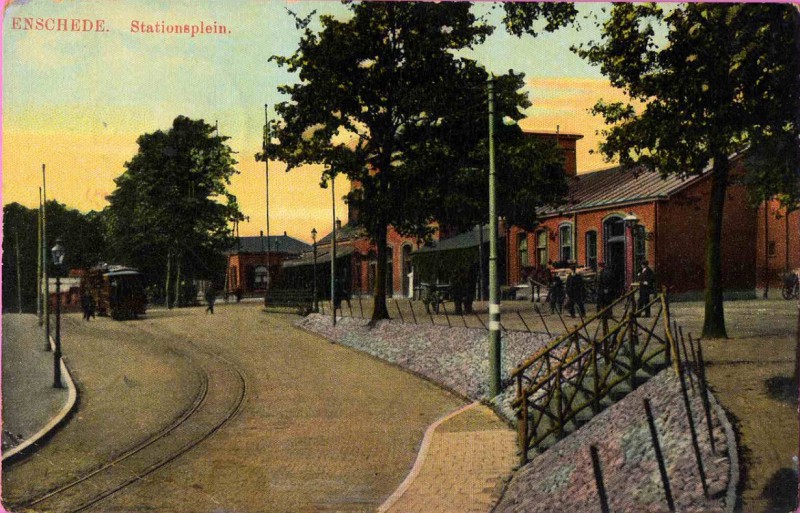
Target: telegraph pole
[
  {"x": 333, "y": 251},
  {"x": 266, "y": 174},
  {"x": 39, "y": 261},
  {"x": 43, "y": 251},
  {"x": 19, "y": 276},
  {"x": 494, "y": 289}
]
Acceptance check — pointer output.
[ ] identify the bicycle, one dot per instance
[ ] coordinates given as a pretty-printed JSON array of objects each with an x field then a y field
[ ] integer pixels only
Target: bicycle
[{"x": 790, "y": 286}]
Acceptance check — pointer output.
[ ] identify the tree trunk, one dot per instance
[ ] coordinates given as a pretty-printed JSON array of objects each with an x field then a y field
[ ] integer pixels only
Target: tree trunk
[
  {"x": 166, "y": 284},
  {"x": 178, "y": 259},
  {"x": 714, "y": 324},
  {"x": 379, "y": 310}
]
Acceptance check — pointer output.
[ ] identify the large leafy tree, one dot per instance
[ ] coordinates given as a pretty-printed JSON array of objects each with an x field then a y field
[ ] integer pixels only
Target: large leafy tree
[
  {"x": 171, "y": 211},
  {"x": 82, "y": 235},
  {"x": 723, "y": 80},
  {"x": 384, "y": 100}
]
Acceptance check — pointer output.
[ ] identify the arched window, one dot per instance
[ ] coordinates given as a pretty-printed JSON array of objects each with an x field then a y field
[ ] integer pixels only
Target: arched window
[
  {"x": 565, "y": 240},
  {"x": 591, "y": 249},
  {"x": 522, "y": 249},
  {"x": 541, "y": 248},
  {"x": 261, "y": 277}
]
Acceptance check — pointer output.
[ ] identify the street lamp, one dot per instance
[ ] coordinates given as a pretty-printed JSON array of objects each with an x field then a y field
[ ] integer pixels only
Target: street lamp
[
  {"x": 58, "y": 253},
  {"x": 314, "y": 239}
]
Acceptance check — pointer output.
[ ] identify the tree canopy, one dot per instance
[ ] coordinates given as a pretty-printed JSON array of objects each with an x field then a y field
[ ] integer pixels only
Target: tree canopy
[
  {"x": 724, "y": 80},
  {"x": 384, "y": 99},
  {"x": 172, "y": 204}
]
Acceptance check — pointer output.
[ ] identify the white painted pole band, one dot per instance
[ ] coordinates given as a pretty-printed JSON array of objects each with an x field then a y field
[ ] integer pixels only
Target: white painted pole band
[
  {"x": 494, "y": 308},
  {"x": 494, "y": 325}
]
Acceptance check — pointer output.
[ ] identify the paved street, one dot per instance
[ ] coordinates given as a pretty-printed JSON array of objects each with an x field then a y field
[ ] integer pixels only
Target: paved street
[{"x": 321, "y": 428}]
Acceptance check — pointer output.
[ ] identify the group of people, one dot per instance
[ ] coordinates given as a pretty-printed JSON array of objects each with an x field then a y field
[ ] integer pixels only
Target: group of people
[{"x": 570, "y": 294}]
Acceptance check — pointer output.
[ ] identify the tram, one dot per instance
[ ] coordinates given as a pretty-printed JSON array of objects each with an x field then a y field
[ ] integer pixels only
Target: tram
[{"x": 117, "y": 291}]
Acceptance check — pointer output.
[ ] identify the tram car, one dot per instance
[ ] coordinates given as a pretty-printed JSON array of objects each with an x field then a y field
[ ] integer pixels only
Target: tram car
[{"x": 117, "y": 291}]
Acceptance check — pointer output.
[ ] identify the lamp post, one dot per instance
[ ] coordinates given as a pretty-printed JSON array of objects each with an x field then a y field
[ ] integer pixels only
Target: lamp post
[
  {"x": 631, "y": 220},
  {"x": 58, "y": 259},
  {"x": 314, "y": 239},
  {"x": 495, "y": 387}
]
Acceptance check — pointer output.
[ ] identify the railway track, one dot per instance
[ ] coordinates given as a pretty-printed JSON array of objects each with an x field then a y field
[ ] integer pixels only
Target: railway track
[{"x": 222, "y": 396}]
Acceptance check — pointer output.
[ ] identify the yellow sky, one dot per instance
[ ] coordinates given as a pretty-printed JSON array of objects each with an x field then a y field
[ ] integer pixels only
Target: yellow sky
[{"x": 77, "y": 102}]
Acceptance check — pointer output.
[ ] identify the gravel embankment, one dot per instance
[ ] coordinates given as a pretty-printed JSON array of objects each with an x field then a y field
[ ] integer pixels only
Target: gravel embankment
[{"x": 561, "y": 478}]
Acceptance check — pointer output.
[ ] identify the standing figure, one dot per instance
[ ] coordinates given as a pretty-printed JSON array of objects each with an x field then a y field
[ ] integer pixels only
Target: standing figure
[
  {"x": 647, "y": 282},
  {"x": 576, "y": 293},
  {"x": 556, "y": 294},
  {"x": 86, "y": 306},
  {"x": 211, "y": 297},
  {"x": 605, "y": 288}
]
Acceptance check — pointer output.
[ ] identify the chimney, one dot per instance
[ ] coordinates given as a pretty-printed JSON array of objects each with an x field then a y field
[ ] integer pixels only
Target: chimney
[
  {"x": 284, "y": 233},
  {"x": 566, "y": 142},
  {"x": 338, "y": 224}
]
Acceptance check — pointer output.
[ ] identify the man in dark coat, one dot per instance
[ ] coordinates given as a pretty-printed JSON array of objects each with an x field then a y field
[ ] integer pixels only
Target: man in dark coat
[
  {"x": 647, "y": 284},
  {"x": 211, "y": 297},
  {"x": 576, "y": 293},
  {"x": 605, "y": 288},
  {"x": 556, "y": 294}
]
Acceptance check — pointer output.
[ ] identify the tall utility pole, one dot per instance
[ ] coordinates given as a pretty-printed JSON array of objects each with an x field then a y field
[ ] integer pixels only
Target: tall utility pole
[
  {"x": 494, "y": 289},
  {"x": 43, "y": 251},
  {"x": 266, "y": 174},
  {"x": 39, "y": 261},
  {"x": 333, "y": 251},
  {"x": 19, "y": 275}
]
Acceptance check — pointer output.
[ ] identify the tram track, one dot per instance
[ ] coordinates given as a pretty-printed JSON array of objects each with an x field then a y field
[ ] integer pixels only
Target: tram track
[{"x": 222, "y": 396}]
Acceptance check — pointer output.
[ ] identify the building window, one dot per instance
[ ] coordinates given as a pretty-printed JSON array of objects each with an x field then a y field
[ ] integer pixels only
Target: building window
[
  {"x": 771, "y": 251},
  {"x": 565, "y": 236},
  {"x": 591, "y": 250},
  {"x": 522, "y": 249},
  {"x": 261, "y": 277},
  {"x": 541, "y": 248},
  {"x": 639, "y": 247}
]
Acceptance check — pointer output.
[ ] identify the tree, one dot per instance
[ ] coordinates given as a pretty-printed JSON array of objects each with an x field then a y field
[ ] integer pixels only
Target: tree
[
  {"x": 172, "y": 205},
  {"x": 723, "y": 81},
  {"x": 82, "y": 235},
  {"x": 384, "y": 100}
]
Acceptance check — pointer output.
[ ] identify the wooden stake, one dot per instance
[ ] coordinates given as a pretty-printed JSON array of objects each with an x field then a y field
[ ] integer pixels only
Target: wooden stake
[
  {"x": 662, "y": 468},
  {"x": 598, "y": 479}
]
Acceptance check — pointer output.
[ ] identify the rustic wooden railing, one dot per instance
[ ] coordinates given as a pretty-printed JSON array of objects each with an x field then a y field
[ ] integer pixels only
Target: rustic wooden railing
[{"x": 576, "y": 371}]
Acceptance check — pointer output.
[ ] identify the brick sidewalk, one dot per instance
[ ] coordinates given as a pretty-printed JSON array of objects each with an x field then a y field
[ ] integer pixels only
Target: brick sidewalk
[{"x": 461, "y": 466}]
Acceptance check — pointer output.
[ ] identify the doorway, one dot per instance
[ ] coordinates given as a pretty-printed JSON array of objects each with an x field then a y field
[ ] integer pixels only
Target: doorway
[{"x": 614, "y": 254}]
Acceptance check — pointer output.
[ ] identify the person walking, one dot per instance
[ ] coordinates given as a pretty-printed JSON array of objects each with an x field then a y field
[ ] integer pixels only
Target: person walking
[
  {"x": 647, "y": 282},
  {"x": 86, "y": 306},
  {"x": 556, "y": 294},
  {"x": 211, "y": 297},
  {"x": 576, "y": 293}
]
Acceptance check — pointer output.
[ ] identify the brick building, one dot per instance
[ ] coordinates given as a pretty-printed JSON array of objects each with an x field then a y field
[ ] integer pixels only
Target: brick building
[
  {"x": 779, "y": 251},
  {"x": 624, "y": 216},
  {"x": 357, "y": 263},
  {"x": 249, "y": 262}
]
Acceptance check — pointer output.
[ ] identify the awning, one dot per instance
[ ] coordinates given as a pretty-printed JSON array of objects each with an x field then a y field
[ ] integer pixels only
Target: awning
[{"x": 308, "y": 258}]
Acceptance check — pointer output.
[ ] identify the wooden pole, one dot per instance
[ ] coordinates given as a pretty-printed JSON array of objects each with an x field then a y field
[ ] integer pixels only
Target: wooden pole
[
  {"x": 693, "y": 432},
  {"x": 662, "y": 468},
  {"x": 43, "y": 249},
  {"x": 539, "y": 311},
  {"x": 19, "y": 275},
  {"x": 39, "y": 262},
  {"x": 598, "y": 479},
  {"x": 399, "y": 313},
  {"x": 704, "y": 392},
  {"x": 413, "y": 315}
]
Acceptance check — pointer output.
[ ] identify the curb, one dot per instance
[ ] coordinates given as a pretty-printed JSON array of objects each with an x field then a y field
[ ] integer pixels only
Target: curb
[
  {"x": 420, "y": 461},
  {"x": 29, "y": 444},
  {"x": 733, "y": 454}
]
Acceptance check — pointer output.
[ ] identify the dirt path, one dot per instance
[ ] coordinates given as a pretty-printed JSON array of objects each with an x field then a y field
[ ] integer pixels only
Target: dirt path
[
  {"x": 751, "y": 374},
  {"x": 324, "y": 429}
]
